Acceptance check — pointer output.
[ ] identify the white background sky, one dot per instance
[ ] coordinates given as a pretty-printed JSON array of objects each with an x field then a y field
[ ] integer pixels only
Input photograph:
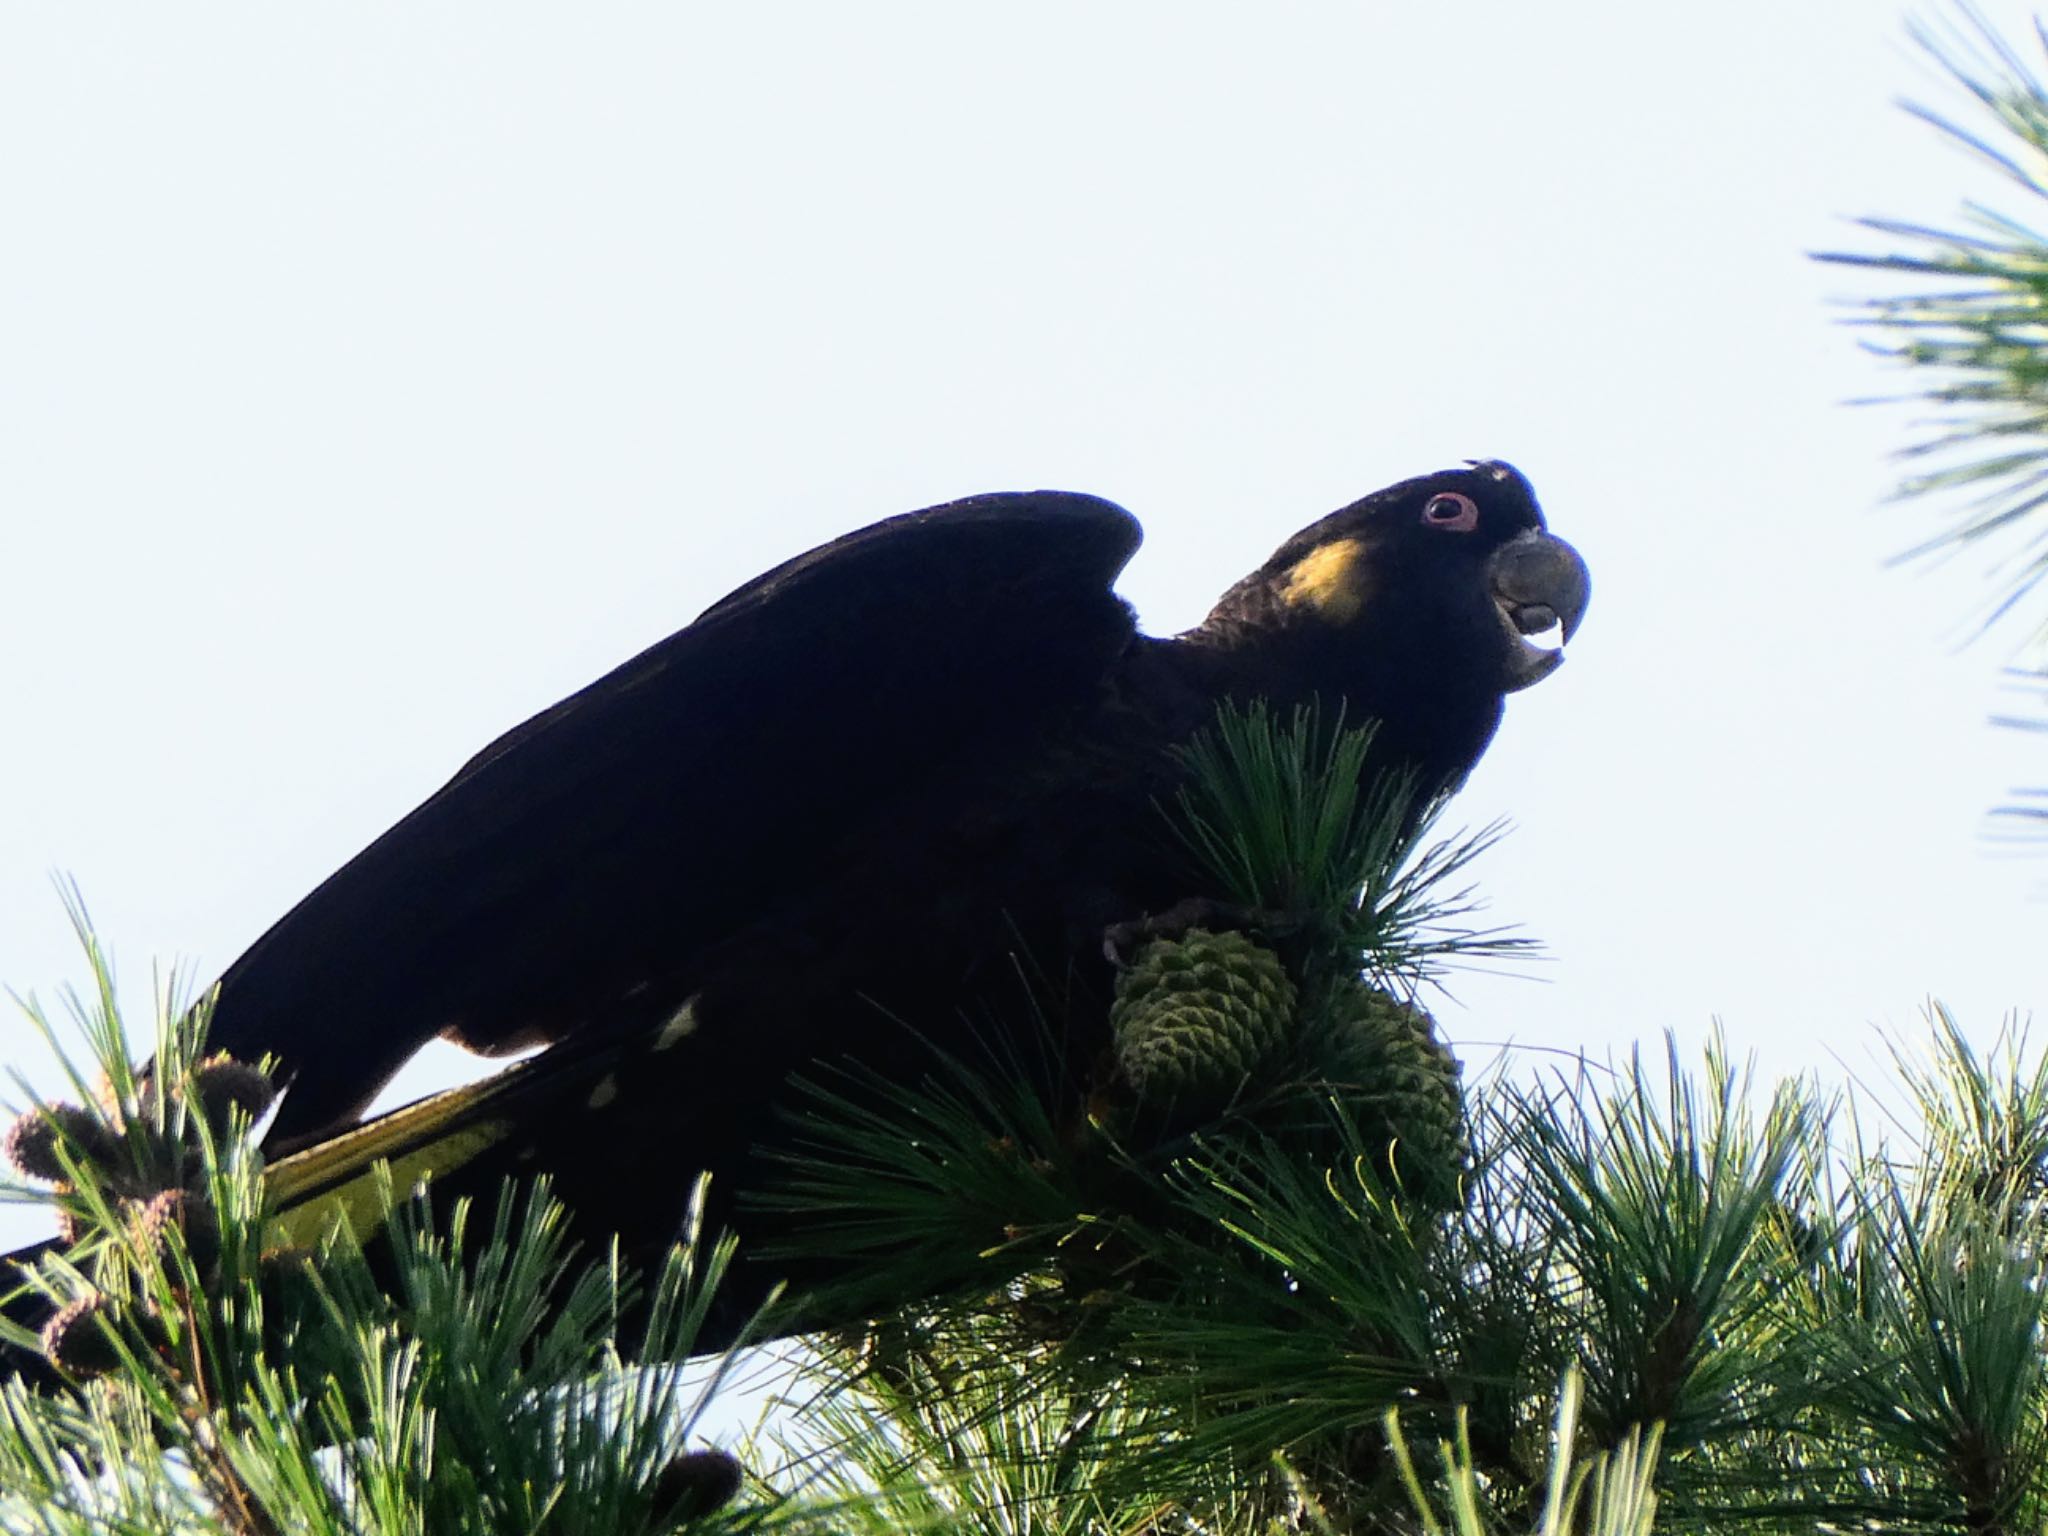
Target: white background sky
[{"x": 373, "y": 375}]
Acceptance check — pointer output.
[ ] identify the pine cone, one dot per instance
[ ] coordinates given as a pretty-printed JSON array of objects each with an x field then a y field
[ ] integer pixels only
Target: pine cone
[
  {"x": 693, "y": 1485},
  {"x": 74, "y": 1222},
  {"x": 1195, "y": 1016},
  {"x": 187, "y": 1210},
  {"x": 74, "y": 1340},
  {"x": 32, "y": 1140},
  {"x": 31, "y": 1146},
  {"x": 1401, "y": 1086},
  {"x": 223, "y": 1085}
]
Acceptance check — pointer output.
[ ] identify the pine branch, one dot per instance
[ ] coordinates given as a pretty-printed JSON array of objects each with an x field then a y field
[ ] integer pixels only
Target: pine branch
[
  {"x": 474, "y": 1384},
  {"x": 1608, "y": 1495},
  {"x": 1284, "y": 819},
  {"x": 1978, "y": 334}
]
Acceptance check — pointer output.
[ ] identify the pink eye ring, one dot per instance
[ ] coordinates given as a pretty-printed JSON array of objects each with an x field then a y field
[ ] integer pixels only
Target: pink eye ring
[{"x": 1452, "y": 512}]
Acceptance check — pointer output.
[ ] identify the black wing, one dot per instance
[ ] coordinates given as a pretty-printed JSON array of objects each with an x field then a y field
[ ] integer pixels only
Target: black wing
[{"x": 641, "y": 820}]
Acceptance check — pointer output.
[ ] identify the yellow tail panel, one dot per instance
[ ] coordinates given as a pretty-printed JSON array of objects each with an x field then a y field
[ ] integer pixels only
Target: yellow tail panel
[{"x": 335, "y": 1181}]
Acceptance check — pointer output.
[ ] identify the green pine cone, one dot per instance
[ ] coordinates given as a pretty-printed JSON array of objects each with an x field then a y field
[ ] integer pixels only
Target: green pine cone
[
  {"x": 1402, "y": 1087},
  {"x": 1195, "y": 1016}
]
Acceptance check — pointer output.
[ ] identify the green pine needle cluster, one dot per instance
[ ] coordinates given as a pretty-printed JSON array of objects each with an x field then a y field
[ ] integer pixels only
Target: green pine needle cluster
[
  {"x": 1051, "y": 1182},
  {"x": 1977, "y": 330},
  {"x": 1821, "y": 1333},
  {"x": 1608, "y": 1495},
  {"x": 474, "y": 1386},
  {"x": 1203, "y": 1335},
  {"x": 1973, "y": 330},
  {"x": 1276, "y": 812}
]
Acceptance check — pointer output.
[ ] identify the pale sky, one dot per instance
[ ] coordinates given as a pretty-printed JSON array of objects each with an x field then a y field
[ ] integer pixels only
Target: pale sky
[{"x": 373, "y": 375}]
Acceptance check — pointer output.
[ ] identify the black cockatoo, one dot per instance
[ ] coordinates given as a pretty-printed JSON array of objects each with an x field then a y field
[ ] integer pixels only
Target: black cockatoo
[{"x": 840, "y": 813}]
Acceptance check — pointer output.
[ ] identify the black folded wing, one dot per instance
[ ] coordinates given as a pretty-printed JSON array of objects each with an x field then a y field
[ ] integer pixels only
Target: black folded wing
[{"x": 645, "y": 819}]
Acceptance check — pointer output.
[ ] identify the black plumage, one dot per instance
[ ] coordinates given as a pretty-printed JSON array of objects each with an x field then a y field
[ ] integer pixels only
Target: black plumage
[{"x": 828, "y": 817}]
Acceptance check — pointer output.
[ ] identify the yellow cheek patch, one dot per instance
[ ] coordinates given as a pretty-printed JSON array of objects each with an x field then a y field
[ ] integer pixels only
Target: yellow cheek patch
[{"x": 1333, "y": 580}]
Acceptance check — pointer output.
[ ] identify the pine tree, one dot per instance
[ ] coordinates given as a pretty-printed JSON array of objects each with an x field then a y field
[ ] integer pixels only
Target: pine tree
[
  {"x": 1239, "y": 1310},
  {"x": 1287, "y": 1271}
]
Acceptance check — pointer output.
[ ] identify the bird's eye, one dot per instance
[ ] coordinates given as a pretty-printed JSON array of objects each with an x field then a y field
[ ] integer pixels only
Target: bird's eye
[{"x": 1452, "y": 512}]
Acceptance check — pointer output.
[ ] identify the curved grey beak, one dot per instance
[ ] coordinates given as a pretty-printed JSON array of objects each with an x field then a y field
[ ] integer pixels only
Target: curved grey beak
[{"x": 1538, "y": 583}]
